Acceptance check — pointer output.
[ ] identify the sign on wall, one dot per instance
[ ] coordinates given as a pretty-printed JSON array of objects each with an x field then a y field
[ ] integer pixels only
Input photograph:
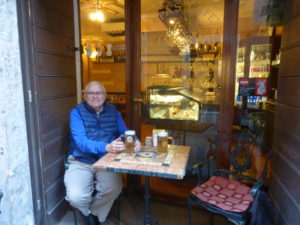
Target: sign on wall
[{"x": 253, "y": 86}]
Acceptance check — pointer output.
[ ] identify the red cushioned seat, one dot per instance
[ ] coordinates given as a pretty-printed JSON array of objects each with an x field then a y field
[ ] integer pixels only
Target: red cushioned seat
[
  {"x": 231, "y": 198},
  {"x": 226, "y": 194}
]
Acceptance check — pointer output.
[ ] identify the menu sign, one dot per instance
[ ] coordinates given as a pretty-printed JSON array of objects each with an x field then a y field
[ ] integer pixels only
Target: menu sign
[
  {"x": 246, "y": 87},
  {"x": 253, "y": 86}
]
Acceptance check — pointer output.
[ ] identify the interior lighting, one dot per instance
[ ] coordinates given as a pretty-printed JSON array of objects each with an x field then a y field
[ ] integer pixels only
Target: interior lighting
[
  {"x": 97, "y": 16},
  {"x": 94, "y": 54},
  {"x": 172, "y": 21}
]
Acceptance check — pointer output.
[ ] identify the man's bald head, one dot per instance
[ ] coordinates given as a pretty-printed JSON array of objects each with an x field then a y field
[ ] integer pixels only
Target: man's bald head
[{"x": 94, "y": 83}]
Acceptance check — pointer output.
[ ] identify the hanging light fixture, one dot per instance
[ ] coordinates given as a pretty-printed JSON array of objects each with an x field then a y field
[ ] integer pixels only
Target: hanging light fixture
[{"x": 97, "y": 15}]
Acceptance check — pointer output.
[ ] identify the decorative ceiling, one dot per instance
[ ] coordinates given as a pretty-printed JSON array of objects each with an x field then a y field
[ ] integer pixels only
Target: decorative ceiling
[
  {"x": 204, "y": 17},
  {"x": 111, "y": 28}
]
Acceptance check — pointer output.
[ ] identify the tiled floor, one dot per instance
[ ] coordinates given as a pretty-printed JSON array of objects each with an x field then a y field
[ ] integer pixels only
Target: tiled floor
[{"x": 165, "y": 213}]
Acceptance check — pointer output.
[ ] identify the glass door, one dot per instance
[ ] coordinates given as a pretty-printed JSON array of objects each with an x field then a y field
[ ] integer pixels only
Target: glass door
[
  {"x": 103, "y": 40},
  {"x": 259, "y": 37},
  {"x": 181, "y": 64}
]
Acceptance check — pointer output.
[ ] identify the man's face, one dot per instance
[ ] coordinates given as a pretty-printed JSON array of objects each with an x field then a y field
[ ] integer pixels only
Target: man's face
[{"x": 95, "y": 96}]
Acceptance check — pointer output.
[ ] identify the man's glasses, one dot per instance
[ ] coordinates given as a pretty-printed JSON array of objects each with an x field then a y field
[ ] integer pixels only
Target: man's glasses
[{"x": 97, "y": 94}]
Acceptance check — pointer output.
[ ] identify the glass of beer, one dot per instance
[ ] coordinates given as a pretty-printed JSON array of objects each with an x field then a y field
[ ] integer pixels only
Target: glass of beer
[
  {"x": 129, "y": 140},
  {"x": 154, "y": 136},
  {"x": 163, "y": 142}
]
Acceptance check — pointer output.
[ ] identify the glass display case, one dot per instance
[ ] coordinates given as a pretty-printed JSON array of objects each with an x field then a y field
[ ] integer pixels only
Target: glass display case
[{"x": 171, "y": 103}]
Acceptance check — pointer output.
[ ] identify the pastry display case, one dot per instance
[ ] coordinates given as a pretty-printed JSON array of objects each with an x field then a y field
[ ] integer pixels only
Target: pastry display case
[{"x": 170, "y": 103}]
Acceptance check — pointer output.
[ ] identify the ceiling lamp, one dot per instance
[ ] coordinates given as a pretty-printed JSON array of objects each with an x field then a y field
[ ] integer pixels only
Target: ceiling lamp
[{"x": 98, "y": 15}]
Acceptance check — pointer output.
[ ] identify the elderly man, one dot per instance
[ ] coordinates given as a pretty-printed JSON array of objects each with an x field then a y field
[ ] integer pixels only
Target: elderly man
[{"x": 95, "y": 128}]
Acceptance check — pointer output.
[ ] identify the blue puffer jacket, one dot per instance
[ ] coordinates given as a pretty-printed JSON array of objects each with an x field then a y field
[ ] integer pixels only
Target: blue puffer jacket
[{"x": 91, "y": 132}]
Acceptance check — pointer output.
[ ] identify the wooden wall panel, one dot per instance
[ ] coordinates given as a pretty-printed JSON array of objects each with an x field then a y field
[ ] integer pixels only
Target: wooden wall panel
[
  {"x": 53, "y": 196},
  {"x": 286, "y": 206},
  {"x": 289, "y": 90},
  {"x": 111, "y": 75},
  {"x": 55, "y": 173},
  {"x": 288, "y": 144},
  {"x": 56, "y": 149},
  {"x": 49, "y": 42},
  {"x": 56, "y": 86},
  {"x": 58, "y": 65},
  {"x": 285, "y": 170},
  {"x": 52, "y": 19},
  {"x": 54, "y": 128},
  {"x": 56, "y": 108},
  {"x": 288, "y": 118},
  {"x": 58, "y": 212},
  {"x": 64, "y": 7},
  {"x": 291, "y": 33},
  {"x": 285, "y": 183},
  {"x": 289, "y": 63}
]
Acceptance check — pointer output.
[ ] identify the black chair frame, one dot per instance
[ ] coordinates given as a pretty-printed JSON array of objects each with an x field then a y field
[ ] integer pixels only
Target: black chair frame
[{"x": 243, "y": 142}]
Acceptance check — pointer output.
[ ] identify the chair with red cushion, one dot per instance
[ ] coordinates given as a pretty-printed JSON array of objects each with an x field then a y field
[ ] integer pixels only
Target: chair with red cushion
[{"x": 230, "y": 193}]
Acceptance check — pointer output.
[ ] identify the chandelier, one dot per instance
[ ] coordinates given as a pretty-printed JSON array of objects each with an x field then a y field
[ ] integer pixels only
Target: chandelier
[
  {"x": 98, "y": 14},
  {"x": 178, "y": 32},
  {"x": 177, "y": 37}
]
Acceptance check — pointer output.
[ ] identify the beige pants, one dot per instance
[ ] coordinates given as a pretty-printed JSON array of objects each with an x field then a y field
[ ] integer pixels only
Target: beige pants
[{"x": 79, "y": 188}]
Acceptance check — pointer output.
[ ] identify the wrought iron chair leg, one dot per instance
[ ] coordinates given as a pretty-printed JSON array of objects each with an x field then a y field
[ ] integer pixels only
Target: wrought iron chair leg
[
  {"x": 190, "y": 210},
  {"x": 118, "y": 203},
  {"x": 74, "y": 215},
  {"x": 211, "y": 220}
]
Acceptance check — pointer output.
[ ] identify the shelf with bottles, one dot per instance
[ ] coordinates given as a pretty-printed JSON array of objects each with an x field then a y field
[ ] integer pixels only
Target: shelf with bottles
[
  {"x": 259, "y": 69},
  {"x": 253, "y": 102},
  {"x": 260, "y": 52},
  {"x": 259, "y": 75},
  {"x": 241, "y": 55},
  {"x": 239, "y": 68}
]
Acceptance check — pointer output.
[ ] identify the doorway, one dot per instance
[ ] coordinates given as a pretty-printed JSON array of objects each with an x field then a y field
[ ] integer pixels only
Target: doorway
[{"x": 186, "y": 66}]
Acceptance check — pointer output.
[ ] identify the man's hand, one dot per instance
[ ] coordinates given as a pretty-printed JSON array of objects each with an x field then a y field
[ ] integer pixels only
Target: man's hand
[
  {"x": 116, "y": 146},
  {"x": 138, "y": 146}
]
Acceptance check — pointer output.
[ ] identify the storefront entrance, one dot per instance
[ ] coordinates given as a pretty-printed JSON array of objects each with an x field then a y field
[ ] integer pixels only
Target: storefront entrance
[{"x": 166, "y": 66}]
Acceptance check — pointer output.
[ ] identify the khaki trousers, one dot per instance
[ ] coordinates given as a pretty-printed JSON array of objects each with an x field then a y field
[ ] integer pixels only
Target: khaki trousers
[{"x": 79, "y": 179}]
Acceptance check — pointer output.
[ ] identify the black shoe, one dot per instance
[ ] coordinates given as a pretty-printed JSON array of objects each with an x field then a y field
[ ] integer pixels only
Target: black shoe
[
  {"x": 91, "y": 220},
  {"x": 107, "y": 222}
]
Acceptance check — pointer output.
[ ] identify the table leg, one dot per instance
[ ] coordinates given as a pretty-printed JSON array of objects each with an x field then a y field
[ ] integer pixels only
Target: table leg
[{"x": 147, "y": 215}]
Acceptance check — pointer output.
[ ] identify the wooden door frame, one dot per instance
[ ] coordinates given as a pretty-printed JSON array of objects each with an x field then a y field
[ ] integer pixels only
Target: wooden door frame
[
  {"x": 231, "y": 11},
  {"x": 29, "y": 89},
  {"x": 32, "y": 112},
  {"x": 133, "y": 58}
]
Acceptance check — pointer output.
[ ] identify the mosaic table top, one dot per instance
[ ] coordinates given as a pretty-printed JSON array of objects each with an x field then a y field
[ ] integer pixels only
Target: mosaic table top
[{"x": 148, "y": 162}]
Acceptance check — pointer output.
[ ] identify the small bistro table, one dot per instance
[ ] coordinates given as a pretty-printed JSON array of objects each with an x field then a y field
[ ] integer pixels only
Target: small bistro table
[{"x": 171, "y": 165}]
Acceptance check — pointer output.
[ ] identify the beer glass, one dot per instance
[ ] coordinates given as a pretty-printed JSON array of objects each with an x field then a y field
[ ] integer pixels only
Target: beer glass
[
  {"x": 129, "y": 140},
  {"x": 154, "y": 136},
  {"x": 163, "y": 141}
]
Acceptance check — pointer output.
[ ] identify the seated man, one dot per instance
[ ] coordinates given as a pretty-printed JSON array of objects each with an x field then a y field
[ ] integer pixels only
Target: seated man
[{"x": 95, "y": 128}]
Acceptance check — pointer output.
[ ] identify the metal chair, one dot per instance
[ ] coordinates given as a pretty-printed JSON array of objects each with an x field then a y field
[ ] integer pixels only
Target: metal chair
[
  {"x": 76, "y": 211},
  {"x": 229, "y": 193}
]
